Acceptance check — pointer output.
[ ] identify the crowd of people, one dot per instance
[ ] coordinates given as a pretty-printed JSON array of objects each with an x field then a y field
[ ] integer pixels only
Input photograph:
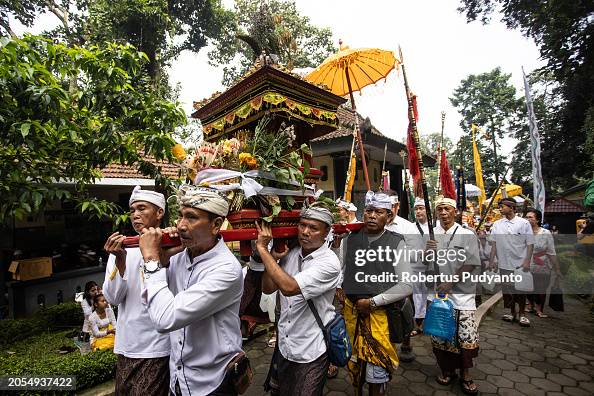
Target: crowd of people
[{"x": 183, "y": 311}]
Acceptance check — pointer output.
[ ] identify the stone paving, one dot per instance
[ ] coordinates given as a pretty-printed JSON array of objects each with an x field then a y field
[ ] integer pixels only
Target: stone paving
[{"x": 555, "y": 356}]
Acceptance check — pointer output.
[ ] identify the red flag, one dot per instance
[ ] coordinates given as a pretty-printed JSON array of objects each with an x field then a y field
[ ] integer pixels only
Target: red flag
[
  {"x": 413, "y": 162},
  {"x": 445, "y": 178}
]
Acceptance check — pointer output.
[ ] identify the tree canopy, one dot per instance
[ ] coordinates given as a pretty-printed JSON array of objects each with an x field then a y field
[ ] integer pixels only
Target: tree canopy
[
  {"x": 53, "y": 136},
  {"x": 564, "y": 32},
  {"x": 274, "y": 26},
  {"x": 489, "y": 101}
]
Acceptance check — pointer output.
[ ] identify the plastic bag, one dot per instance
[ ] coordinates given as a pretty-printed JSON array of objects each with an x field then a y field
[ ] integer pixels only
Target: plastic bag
[
  {"x": 268, "y": 304},
  {"x": 524, "y": 282},
  {"x": 440, "y": 320},
  {"x": 490, "y": 286}
]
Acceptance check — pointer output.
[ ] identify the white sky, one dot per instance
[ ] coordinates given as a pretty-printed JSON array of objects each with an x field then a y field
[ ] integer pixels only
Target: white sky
[{"x": 440, "y": 49}]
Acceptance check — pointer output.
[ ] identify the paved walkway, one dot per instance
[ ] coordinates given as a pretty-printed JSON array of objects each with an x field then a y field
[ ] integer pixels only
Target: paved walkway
[{"x": 553, "y": 357}]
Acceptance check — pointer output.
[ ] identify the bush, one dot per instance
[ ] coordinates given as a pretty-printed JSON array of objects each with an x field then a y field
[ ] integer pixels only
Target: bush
[
  {"x": 55, "y": 317},
  {"x": 38, "y": 356}
]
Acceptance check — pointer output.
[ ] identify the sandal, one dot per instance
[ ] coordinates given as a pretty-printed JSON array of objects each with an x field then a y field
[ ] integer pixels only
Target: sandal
[
  {"x": 332, "y": 371},
  {"x": 524, "y": 322},
  {"x": 446, "y": 379},
  {"x": 509, "y": 318},
  {"x": 541, "y": 315},
  {"x": 466, "y": 389},
  {"x": 416, "y": 332}
]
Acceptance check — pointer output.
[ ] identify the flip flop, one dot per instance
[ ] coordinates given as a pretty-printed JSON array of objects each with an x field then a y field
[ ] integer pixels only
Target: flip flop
[
  {"x": 541, "y": 315},
  {"x": 332, "y": 371},
  {"x": 446, "y": 379},
  {"x": 416, "y": 332},
  {"x": 508, "y": 318},
  {"x": 464, "y": 384}
]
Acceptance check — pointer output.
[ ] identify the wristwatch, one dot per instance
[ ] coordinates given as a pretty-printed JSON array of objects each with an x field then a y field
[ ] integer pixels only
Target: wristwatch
[{"x": 151, "y": 266}]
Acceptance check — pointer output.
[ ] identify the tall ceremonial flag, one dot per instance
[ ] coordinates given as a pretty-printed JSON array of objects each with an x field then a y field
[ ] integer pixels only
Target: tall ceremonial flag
[
  {"x": 413, "y": 161},
  {"x": 446, "y": 181},
  {"x": 478, "y": 169},
  {"x": 537, "y": 180}
]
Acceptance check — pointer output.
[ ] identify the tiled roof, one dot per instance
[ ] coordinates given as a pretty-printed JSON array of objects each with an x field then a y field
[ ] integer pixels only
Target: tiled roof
[
  {"x": 118, "y": 171},
  {"x": 346, "y": 120},
  {"x": 562, "y": 205}
]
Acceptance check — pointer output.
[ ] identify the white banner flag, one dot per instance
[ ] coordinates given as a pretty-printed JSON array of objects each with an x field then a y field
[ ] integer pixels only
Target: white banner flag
[{"x": 537, "y": 180}]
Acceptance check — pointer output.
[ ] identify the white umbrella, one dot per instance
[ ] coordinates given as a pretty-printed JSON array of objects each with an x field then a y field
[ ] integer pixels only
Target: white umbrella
[{"x": 472, "y": 190}]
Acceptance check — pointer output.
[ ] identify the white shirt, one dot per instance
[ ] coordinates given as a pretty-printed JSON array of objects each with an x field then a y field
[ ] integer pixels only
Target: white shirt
[
  {"x": 137, "y": 337},
  {"x": 544, "y": 246},
  {"x": 457, "y": 237},
  {"x": 197, "y": 303},
  {"x": 512, "y": 238},
  {"x": 300, "y": 339},
  {"x": 87, "y": 311},
  {"x": 412, "y": 238},
  {"x": 100, "y": 326},
  {"x": 402, "y": 226}
]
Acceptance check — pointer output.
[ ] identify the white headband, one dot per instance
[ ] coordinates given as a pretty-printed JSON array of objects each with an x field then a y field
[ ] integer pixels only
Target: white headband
[
  {"x": 318, "y": 213},
  {"x": 419, "y": 202},
  {"x": 445, "y": 201},
  {"x": 203, "y": 198},
  {"x": 379, "y": 200},
  {"x": 153, "y": 197}
]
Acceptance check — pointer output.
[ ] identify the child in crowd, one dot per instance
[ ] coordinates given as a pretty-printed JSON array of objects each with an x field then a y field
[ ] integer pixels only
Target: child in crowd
[{"x": 103, "y": 324}]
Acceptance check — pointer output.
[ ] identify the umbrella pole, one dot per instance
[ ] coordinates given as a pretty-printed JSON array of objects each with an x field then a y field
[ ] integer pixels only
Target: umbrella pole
[
  {"x": 361, "y": 148},
  {"x": 413, "y": 122},
  {"x": 488, "y": 210}
]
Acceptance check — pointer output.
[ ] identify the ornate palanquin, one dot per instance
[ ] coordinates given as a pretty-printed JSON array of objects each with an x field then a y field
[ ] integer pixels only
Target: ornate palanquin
[{"x": 269, "y": 89}]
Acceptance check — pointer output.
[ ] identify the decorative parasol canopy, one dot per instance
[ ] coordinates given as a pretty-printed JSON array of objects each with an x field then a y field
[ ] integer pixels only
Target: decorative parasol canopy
[
  {"x": 365, "y": 66},
  {"x": 472, "y": 190},
  {"x": 512, "y": 191}
]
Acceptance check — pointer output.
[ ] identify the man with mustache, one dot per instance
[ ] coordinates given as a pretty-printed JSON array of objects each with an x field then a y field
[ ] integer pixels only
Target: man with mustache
[
  {"x": 308, "y": 272},
  {"x": 143, "y": 353},
  {"x": 413, "y": 240},
  {"x": 367, "y": 301},
  {"x": 193, "y": 293}
]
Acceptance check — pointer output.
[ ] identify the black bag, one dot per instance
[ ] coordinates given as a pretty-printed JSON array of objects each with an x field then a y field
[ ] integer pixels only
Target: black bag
[
  {"x": 240, "y": 373},
  {"x": 556, "y": 299},
  {"x": 400, "y": 320}
]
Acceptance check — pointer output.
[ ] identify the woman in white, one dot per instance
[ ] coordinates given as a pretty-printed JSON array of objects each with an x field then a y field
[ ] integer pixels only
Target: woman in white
[
  {"x": 103, "y": 324},
  {"x": 86, "y": 303},
  {"x": 544, "y": 261}
]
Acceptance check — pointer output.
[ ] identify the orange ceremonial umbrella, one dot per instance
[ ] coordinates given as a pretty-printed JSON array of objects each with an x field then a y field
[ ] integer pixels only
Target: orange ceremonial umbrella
[{"x": 347, "y": 71}]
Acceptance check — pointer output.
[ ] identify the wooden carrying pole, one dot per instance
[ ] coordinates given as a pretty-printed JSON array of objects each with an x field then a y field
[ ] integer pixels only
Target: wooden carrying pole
[{"x": 415, "y": 131}]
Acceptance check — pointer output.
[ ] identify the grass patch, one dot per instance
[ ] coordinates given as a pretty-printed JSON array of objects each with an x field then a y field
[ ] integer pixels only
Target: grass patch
[{"x": 38, "y": 355}]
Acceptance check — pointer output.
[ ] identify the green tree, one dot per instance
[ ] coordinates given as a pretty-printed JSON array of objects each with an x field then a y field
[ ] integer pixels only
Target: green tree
[
  {"x": 160, "y": 28},
  {"x": 50, "y": 133},
  {"x": 564, "y": 32},
  {"x": 489, "y": 101},
  {"x": 274, "y": 26}
]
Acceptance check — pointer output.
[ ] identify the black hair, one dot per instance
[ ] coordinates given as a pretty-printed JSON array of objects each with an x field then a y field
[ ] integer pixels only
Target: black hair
[
  {"x": 96, "y": 299},
  {"x": 537, "y": 213},
  {"x": 88, "y": 286}
]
